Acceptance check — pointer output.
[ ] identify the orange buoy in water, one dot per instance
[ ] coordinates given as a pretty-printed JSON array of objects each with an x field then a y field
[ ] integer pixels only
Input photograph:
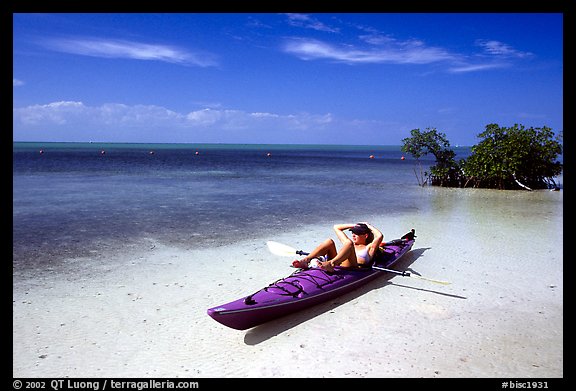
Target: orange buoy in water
[
  {"x": 402, "y": 158},
  {"x": 197, "y": 153},
  {"x": 371, "y": 156},
  {"x": 268, "y": 154},
  {"x": 41, "y": 151},
  {"x": 102, "y": 152}
]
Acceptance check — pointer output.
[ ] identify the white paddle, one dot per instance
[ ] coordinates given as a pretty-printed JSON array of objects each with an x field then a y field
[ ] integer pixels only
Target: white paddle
[{"x": 283, "y": 250}]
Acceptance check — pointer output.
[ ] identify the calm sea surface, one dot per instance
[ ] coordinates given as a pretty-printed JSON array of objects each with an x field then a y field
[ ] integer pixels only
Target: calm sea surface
[{"x": 73, "y": 200}]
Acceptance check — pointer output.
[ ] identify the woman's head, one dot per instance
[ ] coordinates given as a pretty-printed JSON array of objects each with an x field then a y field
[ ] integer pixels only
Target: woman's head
[{"x": 361, "y": 230}]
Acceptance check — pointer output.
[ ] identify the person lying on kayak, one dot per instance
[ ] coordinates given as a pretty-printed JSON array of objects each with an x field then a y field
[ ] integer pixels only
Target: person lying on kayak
[{"x": 355, "y": 252}]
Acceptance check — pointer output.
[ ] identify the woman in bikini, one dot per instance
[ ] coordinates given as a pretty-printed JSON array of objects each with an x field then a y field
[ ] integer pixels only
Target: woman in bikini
[{"x": 355, "y": 252}]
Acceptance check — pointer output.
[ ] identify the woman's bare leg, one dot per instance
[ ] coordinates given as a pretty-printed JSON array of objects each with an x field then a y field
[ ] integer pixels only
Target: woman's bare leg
[
  {"x": 346, "y": 256},
  {"x": 327, "y": 247}
]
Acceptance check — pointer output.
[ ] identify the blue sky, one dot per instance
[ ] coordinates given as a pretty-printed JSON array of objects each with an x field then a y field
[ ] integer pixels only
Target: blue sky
[{"x": 344, "y": 78}]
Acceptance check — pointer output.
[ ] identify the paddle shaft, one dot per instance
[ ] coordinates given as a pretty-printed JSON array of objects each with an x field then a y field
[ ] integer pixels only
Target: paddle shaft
[
  {"x": 404, "y": 274},
  {"x": 408, "y": 274}
]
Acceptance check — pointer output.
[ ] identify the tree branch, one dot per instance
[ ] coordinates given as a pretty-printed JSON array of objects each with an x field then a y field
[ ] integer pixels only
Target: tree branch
[{"x": 519, "y": 183}]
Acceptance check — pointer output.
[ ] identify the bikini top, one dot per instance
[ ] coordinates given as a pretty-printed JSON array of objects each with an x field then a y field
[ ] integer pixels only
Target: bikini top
[{"x": 363, "y": 253}]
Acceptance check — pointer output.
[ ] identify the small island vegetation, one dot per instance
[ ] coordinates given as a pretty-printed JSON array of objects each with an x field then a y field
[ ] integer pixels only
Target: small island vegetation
[{"x": 505, "y": 158}]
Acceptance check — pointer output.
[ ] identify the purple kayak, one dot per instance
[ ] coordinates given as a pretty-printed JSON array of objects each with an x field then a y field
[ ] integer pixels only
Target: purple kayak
[{"x": 305, "y": 288}]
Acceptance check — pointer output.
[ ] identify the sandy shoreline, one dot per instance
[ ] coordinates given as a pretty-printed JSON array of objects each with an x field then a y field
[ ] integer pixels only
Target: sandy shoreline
[{"x": 502, "y": 316}]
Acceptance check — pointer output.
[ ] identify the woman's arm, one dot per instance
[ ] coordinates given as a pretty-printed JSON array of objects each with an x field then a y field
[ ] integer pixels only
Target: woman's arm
[
  {"x": 378, "y": 237},
  {"x": 339, "y": 229}
]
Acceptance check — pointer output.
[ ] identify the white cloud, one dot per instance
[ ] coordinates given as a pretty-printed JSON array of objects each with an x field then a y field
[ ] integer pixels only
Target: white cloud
[
  {"x": 375, "y": 47},
  {"x": 495, "y": 55},
  {"x": 239, "y": 119},
  {"x": 116, "y": 122},
  {"x": 138, "y": 115},
  {"x": 387, "y": 50},
  {"x": 501, "y": 49},
  {"x": 17, "y": 83},
  {"x": 204, "y": 117},
  {"x": 464, "y": 68},
  {"x": 306, "y": 21},
  {"x": 410, "y": 52},
  {"x": 71, "y": 114},
  {"x": 118, "y": 48},
  {"x": 377, "y": 39},
  {"x": 56, "y": 113}
]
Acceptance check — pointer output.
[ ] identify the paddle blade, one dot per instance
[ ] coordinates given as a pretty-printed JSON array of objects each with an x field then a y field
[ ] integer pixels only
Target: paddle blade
[
  {"x": 281, "y": 249},
  {"x": 431, "y": 280}
]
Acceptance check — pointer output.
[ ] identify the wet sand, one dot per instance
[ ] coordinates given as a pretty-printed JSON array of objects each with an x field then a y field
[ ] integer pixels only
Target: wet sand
[{"x": 142, "y": 313}]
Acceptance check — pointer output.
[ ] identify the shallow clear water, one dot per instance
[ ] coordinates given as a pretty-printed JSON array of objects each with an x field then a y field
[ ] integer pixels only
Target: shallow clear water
[{"x": 72, "y": 200}]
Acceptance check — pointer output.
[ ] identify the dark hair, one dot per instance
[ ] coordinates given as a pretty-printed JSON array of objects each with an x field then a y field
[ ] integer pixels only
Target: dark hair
[
  {"x": 363, "y": 227},
  {"x": 370, "y": 237}
]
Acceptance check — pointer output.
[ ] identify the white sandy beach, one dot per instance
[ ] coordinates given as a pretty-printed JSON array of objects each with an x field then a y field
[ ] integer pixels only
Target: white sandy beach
[{"x": 502, "y": 315}]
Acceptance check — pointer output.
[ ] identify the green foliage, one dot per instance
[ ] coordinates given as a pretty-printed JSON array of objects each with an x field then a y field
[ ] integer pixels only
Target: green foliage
[
  {"x": 446, "y": 172},
  {"x": 509, "y": 158},
  {"x": 505, "y": 158}
]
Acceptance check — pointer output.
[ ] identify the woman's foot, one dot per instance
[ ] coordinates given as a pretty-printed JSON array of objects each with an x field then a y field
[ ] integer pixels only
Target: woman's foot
[
  {"x": 300, "y": 263},
  {"x": 327, "y": 266}
]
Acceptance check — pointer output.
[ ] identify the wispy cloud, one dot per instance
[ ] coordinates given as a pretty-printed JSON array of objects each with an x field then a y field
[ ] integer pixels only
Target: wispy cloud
[
  {"x": 466, "y": 67},
  {"x": 372, "y": 46},
  {"x": 500, "y": 49},
  {"x": 494, "y": 55},
  {"x": 119, "y": 48},
  {"x": 308, "y": 22},
  {"x": 384, "y": 49},
  {"x": 17, "y": 83},
  {"x": 367, "y": 45},
  {"x": 410, "y": 52}
]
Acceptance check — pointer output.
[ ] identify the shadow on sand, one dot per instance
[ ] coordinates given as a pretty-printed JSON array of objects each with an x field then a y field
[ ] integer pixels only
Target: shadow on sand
[{"x": 270, "y": 329}]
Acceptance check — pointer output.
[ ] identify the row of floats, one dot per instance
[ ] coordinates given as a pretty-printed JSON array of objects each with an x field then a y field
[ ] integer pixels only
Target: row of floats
[{"x": 268, "y": 154}]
